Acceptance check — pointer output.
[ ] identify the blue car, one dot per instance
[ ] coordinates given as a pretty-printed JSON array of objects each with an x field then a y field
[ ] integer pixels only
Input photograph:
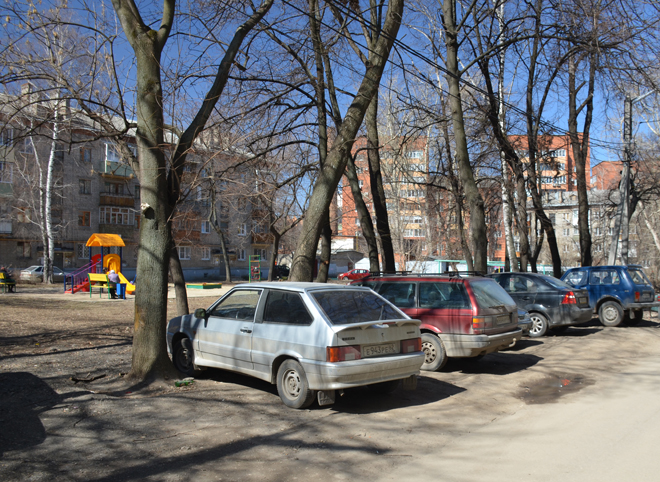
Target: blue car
[{"x": 617, "y": 293}]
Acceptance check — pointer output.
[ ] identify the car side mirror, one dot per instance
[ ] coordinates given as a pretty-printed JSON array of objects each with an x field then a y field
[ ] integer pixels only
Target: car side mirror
[{"x": 201, "y": 313}]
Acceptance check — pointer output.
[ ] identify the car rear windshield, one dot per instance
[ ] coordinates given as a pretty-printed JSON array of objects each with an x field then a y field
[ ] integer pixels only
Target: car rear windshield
[
  {"x": 353, "y": 306},
  {"x": 490, "y": 294},
  {"x": 638, "y": 276}
]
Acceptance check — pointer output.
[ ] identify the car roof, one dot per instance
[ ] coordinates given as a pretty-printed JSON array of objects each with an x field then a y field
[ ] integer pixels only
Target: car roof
[{"x": 299, "y": 286}]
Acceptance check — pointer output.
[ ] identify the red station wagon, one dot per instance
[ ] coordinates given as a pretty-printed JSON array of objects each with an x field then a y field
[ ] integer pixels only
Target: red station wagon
[{"x": 462, "y": 316}]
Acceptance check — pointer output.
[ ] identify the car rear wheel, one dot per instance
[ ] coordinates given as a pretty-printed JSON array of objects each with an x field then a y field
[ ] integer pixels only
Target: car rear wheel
[
  {"x": 292, "y": 385},
  {"x": 184, "y": 357},
  {"x": 610, "y": 313},
  {"x": 539, "y": 325},
  {"x": 636, "y": 317},
  {"x": 435, "y": 355}
]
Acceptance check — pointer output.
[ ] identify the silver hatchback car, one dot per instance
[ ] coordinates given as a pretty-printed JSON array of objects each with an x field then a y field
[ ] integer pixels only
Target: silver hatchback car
[{"x": 311, "y": 339}]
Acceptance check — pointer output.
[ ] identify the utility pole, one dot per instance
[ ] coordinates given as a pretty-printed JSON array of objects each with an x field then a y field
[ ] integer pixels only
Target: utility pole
[{"x": 623, "y": 209}]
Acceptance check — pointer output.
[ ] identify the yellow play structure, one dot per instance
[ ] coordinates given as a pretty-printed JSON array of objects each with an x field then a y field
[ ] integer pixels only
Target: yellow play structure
[{"x": 80, "y": 278}]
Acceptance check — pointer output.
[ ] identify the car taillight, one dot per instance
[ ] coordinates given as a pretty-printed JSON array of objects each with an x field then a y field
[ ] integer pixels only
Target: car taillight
[
  {"x": 636, "y": 296},
  {"x": 478, "y": 325},
  {"x": 569, "y": 299},
  {"x": 411, "y": 345},
  {"x": 343, "y": 353}
]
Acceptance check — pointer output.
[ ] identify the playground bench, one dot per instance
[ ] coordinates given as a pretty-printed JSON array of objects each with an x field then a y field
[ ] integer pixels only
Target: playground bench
[
  {"x": 8, "y": 285},
  {"x": 98, "y": 281}
]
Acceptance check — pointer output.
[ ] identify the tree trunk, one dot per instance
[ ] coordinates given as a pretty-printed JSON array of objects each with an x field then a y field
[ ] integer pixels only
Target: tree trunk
[
  {"x": 474, "y": 200},
  {"x": 580, "y": 150},
  {"x": 276, "y": 247},
  {"x": 179, "y": 282},
  {"x": 326, "y": 245},
  {"x": 330, "y": 173},
  {"x": 377, "y": 190},
  {"x": 365, "y": 218}
]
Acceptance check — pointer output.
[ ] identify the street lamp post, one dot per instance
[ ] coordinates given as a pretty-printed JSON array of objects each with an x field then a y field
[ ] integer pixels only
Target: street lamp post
[{"x": 623, "y": 209}]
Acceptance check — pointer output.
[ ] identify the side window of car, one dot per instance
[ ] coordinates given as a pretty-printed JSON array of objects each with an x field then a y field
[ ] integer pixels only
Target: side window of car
[
  {"x": 576, "y": 278},
  {"x": 519, "y": 284},
  {"x": 604, "y": 277},
  {"x": 239, "y": 305},
  {"x": 441, "y": 295},
  {"x": 401, "y": 295},
  {"x": 286, "y": 307}
]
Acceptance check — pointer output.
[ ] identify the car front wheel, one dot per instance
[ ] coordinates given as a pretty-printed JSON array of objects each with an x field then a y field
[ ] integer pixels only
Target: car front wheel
[
  {"x": 539, "y": 325},
  {"x": 435, "y": 355},
  {"x": 292, "y": 385},
  {"x": 184, "y": 357},
  {"x": 610, "y": 313}
]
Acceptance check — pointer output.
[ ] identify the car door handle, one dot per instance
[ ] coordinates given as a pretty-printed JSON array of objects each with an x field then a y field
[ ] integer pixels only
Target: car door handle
[{"x": 246, "y": 330}]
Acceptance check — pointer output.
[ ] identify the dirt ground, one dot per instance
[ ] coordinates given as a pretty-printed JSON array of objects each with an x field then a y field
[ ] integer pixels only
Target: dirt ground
[{"x": 62, "y": 418}]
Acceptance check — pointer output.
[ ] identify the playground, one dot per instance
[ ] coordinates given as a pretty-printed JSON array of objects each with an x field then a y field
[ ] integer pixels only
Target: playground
[{"x": 94, "y": 274}]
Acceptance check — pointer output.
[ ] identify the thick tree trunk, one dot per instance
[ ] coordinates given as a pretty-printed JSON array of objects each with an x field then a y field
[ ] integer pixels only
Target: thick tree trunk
[
  {"x": 332, "y": 170},
  {"x": 276, "y": 247},
  {"x": 179, "y": 282},
  {"x": 377, "y": 190},
  {"x": 326, "y": 246},
  {"x": 473, "y": 196},
  {"x": 364, "y": 216}
]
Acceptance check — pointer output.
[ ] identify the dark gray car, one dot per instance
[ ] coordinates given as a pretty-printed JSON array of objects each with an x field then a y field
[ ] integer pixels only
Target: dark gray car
[{"x": 552, "y": 304}]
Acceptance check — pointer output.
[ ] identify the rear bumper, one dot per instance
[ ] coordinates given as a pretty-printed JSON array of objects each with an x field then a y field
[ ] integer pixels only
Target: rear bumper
[
  {"x": 348, "y": 374},
  {"x": 643, "y": 306},
  {"x": 574, "y": 316},
  {"x": 460, "y": 346}
]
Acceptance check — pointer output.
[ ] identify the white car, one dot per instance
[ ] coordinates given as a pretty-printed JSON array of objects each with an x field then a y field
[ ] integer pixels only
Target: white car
[
  {"x": 311, "y": 339},
  {"x": 36, "y": 273}
]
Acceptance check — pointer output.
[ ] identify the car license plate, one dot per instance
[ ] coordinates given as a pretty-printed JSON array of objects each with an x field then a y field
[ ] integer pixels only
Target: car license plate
[
  {"x": 582, "y": 301},
  {"x": 377, "y": 350},
  {"x": 502, "y": 319},
  {"x": 647, "y": 296}
]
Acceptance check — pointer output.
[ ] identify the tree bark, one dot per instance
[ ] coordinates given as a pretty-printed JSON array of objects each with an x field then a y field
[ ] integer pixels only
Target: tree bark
[
  {"x": 364, "y": 216},
  {"x": 335, "y": 164},
  {"x": 377, "y": 190},
  {"x": 179, "y": 282},
  {"x": 472, "y": 194}
]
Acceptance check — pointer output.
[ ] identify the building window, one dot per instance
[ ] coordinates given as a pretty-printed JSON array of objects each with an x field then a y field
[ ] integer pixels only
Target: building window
[
  {"x": 597, "y": 231},
  {"x": 414, "y": 154},
  {"x": 112, "y": 215},
  {"x": 575, "y": 231},
  {"x": 184, "y": 252},
  {"x": 206, "y": 254},
  {"x": 598, "y": 248},
  {"x": 137, "y": 192},
  {"x": 83, "y": 251},
  {"x": 242, "y": 229},
  {"x": 23, "y": 249},
  {"x": 85, "y": 186},
  {"x": 25, "y": 146},
  {"x": 206, "y": 227},
  {"x": 262, "y": 253},
  {"x": 116, "y": 188},
  {"x": 111, "y": 154},
  {"x": 7, "y": 137},
  {"x": 59, "y": 152},
  {"x": 566, "y": 232},
  {"x": 24, "y": 215},
  {"x": 241, "y": 255},
  {"x": 6, "y": 171},
  {"x": 83, "y": 218},
  {"x": 86, "y": 154},
  {"x": 610, "y": 231}
]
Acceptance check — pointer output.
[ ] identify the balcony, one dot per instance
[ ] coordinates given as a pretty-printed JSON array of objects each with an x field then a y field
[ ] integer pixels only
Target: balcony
[
  {"x": 5, "y": 227},
  {"x": 109, "y": 199},
  {"x": 262, "y": 238},
  {"x": 117, "y": 169}
]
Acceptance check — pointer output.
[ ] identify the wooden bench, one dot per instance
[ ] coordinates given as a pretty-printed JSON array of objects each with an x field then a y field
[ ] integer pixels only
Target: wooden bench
[
  {"x": 99, "y": 281},
  {"x": 7, "y": 284}
]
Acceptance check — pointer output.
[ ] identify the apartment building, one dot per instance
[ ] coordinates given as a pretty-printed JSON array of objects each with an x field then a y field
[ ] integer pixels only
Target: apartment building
[{"x": 404, "y": 167}]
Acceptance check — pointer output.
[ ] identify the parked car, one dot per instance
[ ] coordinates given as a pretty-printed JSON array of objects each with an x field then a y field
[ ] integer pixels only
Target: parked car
[
  {"x": 281, "y": 272},
  {"x": 616, "y": 293},
  {"x": 524, "y": 322},
  {"x": 552, "y": 304},
  {"x": 462, "y": 316},
  {"x": 309, "y": 338},
  {"x": 36, "y": 273},
  {"x": 354, "y": 274}
]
